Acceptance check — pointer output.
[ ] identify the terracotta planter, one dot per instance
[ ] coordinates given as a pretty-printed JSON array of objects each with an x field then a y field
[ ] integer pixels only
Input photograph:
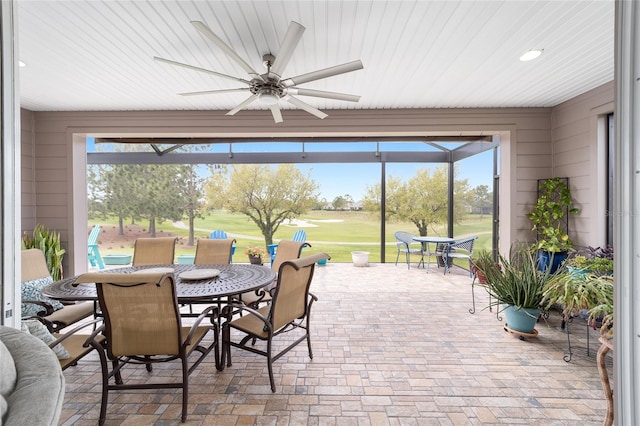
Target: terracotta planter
[{"x": 482, "y": 278}]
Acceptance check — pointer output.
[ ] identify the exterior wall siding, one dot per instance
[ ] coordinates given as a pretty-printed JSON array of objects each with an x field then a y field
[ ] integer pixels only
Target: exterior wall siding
[
  {"x": 526, "y": 151},
  {"x": 27, "y": 170},
  {"x": 578, "y": 153}
]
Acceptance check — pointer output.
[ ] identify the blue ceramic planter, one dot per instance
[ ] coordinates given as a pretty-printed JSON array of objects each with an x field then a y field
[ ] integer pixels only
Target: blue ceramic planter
[
  {"x": 550, "y": 260},
  {"x": 522, "y": 320}
]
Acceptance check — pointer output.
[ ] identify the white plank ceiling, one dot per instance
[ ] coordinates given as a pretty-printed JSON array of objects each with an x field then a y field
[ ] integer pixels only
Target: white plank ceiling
[{"x": 98, "y": 55}]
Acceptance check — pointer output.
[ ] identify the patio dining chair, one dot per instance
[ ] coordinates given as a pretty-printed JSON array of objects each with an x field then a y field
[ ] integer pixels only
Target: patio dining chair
[
  {"x": 404, "y": 240},
  {"x": 289, "y": 310},
  {"x": 460, "y": 249},
  {"x": 299, "y": 236},
  {"x": 287, "y": 250},
  {"x": 219, "y": 234},
  {"x": 213, "y": 252},
  {"x": 142, "y": 326},
  {"x": 154, "y": 251},
  {"x": 54, "y": 314}
]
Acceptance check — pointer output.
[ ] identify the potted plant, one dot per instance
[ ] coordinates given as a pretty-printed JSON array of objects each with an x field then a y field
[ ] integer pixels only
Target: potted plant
[
  {"x": 481, "y": 262},
  {"x": 255, "y": 254},
  {"x": 597, "y": 261},
  {"x": 49, "y": 242},
  {"x": 585, "y": 284},
  {"x": 516, "y": 286},
  {"x": 549, "y": 221}
]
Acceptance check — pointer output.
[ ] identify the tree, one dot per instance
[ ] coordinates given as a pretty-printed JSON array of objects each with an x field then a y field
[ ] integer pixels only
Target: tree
[
  {"x": 482, "y": 199},
  {"x": 422, "y": 200},
  {"x": 190, "y": 186},
  {"x": 268, "y": 196},
  {"x": 339, "y": 203}
]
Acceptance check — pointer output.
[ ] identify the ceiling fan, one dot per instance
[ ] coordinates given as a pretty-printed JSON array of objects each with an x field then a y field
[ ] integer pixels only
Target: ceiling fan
[{"x": 269, "y": 88}]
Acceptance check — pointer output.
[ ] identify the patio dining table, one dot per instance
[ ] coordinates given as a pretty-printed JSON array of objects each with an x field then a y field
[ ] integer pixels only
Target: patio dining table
[
  {"x": 426, "y": 240},
  {"x": 232, "y": 280}
]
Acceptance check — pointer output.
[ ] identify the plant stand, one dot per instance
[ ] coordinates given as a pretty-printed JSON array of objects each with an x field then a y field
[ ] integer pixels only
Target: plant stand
[{"x": 520, "y": 334}]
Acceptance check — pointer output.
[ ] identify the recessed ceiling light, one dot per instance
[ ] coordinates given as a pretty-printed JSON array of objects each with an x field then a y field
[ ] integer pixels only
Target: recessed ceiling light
[
  {"x": 531, "y": 54},
  {"x": 21, "y": 64}
]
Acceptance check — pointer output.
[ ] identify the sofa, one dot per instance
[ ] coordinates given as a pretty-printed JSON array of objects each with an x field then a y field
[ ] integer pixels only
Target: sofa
[{"x": 31, "y": 380}]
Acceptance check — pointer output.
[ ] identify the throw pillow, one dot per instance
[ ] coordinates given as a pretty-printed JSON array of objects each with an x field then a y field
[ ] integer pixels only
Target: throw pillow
[
  {"x": 32, "y": 290},
  {"x": 37, "y": 329}
]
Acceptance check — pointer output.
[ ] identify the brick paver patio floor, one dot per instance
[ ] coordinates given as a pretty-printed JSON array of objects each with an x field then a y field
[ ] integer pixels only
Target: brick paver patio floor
[{"x": 392, "y": 346}]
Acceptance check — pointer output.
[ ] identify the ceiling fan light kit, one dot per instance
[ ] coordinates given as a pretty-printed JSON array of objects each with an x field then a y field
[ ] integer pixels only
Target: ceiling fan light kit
[{"x": 269, "y": 88}]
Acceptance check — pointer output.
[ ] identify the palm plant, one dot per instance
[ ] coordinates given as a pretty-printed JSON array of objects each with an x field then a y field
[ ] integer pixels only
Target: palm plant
[{"x": 49, "y": 242}]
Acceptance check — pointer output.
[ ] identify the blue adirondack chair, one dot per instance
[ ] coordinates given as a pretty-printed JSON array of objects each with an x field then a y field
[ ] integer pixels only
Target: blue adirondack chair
[
  {"x": 299, "y": 236},
  {"x": 92, "y": 245},
  {"x": 219, "y": 234}
]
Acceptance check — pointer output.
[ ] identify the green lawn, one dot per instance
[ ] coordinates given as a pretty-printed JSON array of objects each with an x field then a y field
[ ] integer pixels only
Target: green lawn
[{"x": 337, "y": 233}]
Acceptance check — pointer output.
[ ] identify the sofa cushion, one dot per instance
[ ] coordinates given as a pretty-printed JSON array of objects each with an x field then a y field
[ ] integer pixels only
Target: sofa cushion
[
  {"x": 37, "y": 329},
  {"x": 32, "y": 290},
  {"x": 8, "y": 377},
  {"x": 39, "y": 392}
]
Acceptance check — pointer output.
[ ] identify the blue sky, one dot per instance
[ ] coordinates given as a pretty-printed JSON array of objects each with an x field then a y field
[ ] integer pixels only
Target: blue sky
[{"x": 352, "y": 179}]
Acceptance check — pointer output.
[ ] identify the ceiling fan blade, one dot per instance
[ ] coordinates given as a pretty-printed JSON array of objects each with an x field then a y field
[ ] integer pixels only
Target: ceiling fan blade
[
  {"x": 323, "y": 94},
  {"x": 277, "y": 114},
  {"x": 323, "y": 73},
  {"x": 211, "y": 92},
  {"x": 305, "y": 106},
  {"x": 191, "y": 67},
  {"x": 206, "y": 31},
  {"x": 242, "y": 104},
  {"x": 291, "y": 40}
]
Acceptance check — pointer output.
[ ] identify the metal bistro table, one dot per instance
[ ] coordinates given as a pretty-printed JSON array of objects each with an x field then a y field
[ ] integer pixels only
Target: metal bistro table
[
  {"x": 233, "y": 280},
  {"x": 426, "y": 240}
]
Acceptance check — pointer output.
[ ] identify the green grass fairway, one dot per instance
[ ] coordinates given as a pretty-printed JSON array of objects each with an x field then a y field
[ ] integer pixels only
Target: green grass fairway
[{"x": 336, "y": 233}]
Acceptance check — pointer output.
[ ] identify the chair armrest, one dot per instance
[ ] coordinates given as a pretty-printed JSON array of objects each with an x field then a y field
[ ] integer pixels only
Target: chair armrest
[
  {"x": 73, "y": 331},
  {"x": 48, "y": 308},
  {"x": 197, "y": 322},
  {"x": 254, "y": 312},
  {"x": 272, "y": 248}
]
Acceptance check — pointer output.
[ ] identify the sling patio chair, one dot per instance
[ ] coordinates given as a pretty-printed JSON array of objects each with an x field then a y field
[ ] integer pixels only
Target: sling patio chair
[
  {"x": 219, "y": 234},
  {"x": 289, "y": 310},
  {"x": 403, "y": 244},
  {"x": 213, "y": 252},
  {"x": 287, "y": 250},
  {"x": 154, "y": 251},
  {"x": 54, "y": 314},
  {"x": 299, "y": 236},
  {"x": 142, "y": 326}
]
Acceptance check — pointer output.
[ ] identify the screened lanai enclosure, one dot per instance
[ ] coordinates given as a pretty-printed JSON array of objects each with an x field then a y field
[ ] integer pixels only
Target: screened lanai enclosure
[{"x": 338, "y": 166}]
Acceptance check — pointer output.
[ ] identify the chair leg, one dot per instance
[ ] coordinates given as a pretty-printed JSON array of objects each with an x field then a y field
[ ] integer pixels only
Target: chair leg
[
  {"x": 408, "y": 257},
  {"x": 185, "y": 388},
  {"x": 473, "y": 298},
  {"x": 270, "y": 366}
]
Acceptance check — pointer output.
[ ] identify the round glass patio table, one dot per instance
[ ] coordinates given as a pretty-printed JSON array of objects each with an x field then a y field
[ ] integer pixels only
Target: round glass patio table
[{"x": 233, "y": 279}]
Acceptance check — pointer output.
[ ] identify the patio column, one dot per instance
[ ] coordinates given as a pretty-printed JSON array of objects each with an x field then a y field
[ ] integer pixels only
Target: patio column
[
  {"x": 627, "y": 219},
  {"x": 9, "y": 170}
]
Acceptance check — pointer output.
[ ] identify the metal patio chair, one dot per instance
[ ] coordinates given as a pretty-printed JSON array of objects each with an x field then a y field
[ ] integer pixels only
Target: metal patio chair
[
  {"x": 290, "y": 309},
  {"x": 142, "y": 326},
  {"x": 403, "y": 244}
]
